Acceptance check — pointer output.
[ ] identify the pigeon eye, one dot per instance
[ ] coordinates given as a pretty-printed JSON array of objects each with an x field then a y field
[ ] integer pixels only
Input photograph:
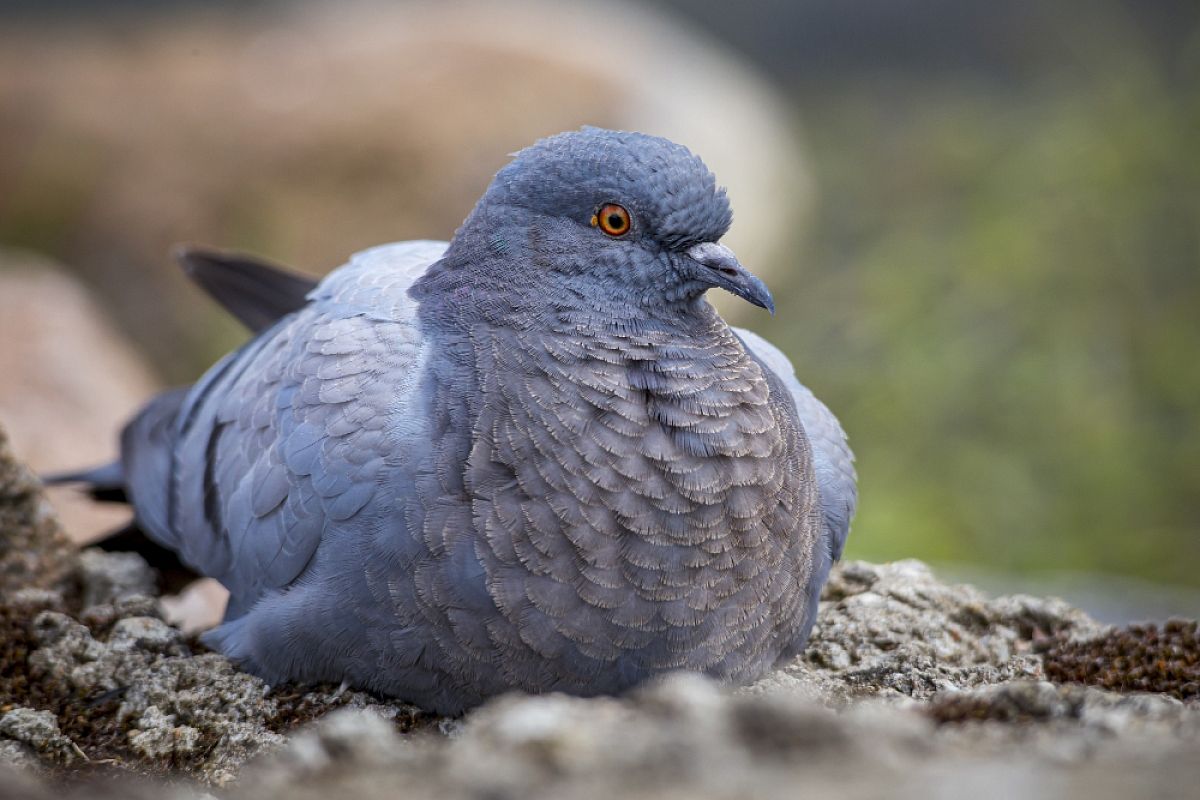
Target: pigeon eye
[{"x": 612, "y": 219}]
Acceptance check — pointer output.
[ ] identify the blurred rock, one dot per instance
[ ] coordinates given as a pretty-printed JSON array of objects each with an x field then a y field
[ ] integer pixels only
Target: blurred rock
[
  {"x": 752, "y": 746},
  {"x": 345, "y": 739},
  {"x": 70, "y": 382},
  {"x": 18, "y": 764},
  {"x": 313, "y": 131},
  {"x": 108, "y": 577}
]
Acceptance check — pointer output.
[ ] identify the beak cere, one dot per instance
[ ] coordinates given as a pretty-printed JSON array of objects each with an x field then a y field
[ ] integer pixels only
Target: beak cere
[{"x": 722, "y": 269}]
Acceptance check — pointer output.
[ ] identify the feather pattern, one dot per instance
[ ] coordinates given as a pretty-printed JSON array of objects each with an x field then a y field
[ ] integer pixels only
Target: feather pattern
[{"x": 460, "y": 470}]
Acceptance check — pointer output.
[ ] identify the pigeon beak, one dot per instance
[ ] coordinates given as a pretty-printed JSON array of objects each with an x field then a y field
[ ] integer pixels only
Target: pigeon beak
[{"x": 721, "y": 268}]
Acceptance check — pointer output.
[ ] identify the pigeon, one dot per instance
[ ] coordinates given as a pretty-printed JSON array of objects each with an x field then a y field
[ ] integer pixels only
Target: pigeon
[{"x": 531, "y": 459}]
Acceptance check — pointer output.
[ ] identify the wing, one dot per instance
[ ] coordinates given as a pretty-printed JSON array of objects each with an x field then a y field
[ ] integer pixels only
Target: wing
[
  {"x": 832, "y": 458},
  {"x": 291, "y": 434},
  {"x": 257, "y": 292},
  {"x": 146, "y": 446}
]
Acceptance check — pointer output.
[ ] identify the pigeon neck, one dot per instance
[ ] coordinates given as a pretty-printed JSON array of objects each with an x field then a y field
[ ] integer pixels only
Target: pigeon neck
[{"x": 463, "y": 299}]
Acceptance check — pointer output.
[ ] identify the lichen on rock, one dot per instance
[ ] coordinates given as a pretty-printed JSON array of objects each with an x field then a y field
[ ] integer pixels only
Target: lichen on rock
[
  {"x": 33, "y": 551},
  {"x": 39, "y": 731},
  {"x": 896, "y": 631}
]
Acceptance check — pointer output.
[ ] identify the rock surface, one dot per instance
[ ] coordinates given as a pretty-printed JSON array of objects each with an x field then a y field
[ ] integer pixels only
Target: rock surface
[
  {"x": 911, "y": 688},
  {"x": 111, "y": 577},
  {"x": 684, "y": 737}
]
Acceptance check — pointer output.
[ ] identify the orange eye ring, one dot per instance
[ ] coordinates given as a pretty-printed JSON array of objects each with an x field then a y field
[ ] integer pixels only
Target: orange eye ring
[{"x": 613, "y": 219}]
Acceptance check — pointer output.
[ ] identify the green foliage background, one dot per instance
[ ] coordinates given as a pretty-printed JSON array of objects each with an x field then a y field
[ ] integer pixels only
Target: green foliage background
[{"x": 1001, "y": 298}]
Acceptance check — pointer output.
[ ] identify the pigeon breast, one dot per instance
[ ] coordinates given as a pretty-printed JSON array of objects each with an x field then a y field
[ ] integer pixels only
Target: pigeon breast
[{"x": 640, "y": 499}]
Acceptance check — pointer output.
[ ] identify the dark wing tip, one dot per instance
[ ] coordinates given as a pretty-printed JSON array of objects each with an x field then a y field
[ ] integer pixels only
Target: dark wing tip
[{"x": 255, "y": 291}]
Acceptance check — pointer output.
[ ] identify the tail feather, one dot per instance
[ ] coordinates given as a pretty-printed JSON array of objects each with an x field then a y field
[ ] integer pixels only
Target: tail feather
[
  {"x": 105, "y": 483},
  {"x": 257, "y": 292}
]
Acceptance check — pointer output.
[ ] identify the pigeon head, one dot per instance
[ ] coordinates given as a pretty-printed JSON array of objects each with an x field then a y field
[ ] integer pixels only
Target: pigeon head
[{"x": 612, "y": 215}]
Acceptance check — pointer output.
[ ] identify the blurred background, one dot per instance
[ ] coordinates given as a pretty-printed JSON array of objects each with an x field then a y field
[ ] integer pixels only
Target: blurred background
[{"x": 981, "y": 223}]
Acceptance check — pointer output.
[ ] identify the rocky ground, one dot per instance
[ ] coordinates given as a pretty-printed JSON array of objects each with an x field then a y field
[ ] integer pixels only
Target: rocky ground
[{"x": 910, "y": 688}]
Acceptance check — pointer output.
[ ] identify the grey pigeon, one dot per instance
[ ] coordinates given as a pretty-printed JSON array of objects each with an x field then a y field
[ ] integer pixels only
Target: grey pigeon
[{"x": 534, "y": 458}]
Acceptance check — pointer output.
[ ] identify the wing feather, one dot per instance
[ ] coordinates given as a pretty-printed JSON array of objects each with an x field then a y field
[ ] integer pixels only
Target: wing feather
[
  {"x": 289, "y": 433},
  {"x": 257, "y": 292},
  {"x": 833, "y": 460}
]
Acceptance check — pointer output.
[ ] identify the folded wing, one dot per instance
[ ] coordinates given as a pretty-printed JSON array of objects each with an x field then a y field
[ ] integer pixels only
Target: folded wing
[
  {"x": 289, "y": 434},
  {"x": 833, "y": 460}
]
